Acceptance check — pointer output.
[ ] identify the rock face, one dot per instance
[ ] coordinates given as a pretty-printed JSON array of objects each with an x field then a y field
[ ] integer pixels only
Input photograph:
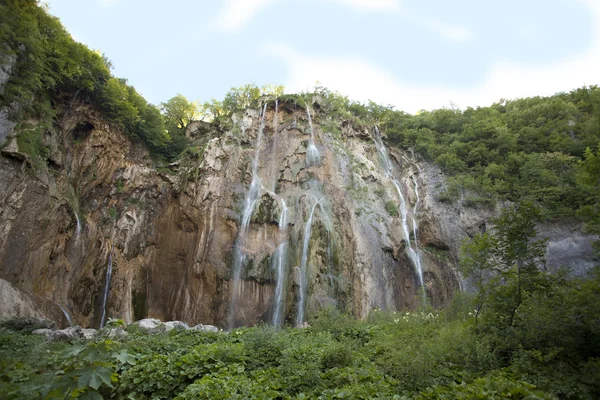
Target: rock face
[{"x": 174, "y": 236}]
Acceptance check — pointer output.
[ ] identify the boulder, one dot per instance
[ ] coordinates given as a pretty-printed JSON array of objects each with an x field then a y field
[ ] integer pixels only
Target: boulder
[
  {"x": 177, "y": 325},
  {"x": 205, "y": 328},
  {"x": 89, "y": 333},
  {"x": 62, "y": 335},
  {"x": 115, "y": 333},
  {"x": 150, "y": 325}
]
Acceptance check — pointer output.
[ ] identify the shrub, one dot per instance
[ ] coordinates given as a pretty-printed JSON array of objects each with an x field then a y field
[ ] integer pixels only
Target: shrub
[{"x": 392, "y": 208}]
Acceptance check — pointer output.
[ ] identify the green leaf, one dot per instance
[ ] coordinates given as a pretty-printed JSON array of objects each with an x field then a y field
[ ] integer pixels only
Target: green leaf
[
  {"x": 95, "y": 377},
  {"x": 91, "y": 395},
  {"x": 125, "y": 358},
  {"x": 106, "y": 374}
]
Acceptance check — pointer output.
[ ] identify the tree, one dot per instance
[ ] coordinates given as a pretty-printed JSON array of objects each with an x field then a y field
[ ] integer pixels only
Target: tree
[
  {"x": 242, "y": 97},
  {"x": 504, "y": 264},
  {"x": 178, "y": 112},
  {"x": 588, "y": 178},
  {"x": 476, "y": 264}
]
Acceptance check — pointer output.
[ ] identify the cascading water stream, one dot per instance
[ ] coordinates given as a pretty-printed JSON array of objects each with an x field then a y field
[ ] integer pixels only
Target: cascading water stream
[
  {"x": 312, "y": 153},
  {"x": 250, "y": 201},
  {"x": 413, "y": 251},
  {"x": 304, "y": 266},
  {"x": 415, "y": 230},
  {"x": 279, "y": 265},
  {"x": 67, "y": 315},
  {"x": 274, "y": 165},
  {"x": 106, "y": 286},
  {"x": 78, "y": 226}
]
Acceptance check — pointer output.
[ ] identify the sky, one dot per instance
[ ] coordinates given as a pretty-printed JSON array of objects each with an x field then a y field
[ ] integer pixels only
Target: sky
[{"x": 412, "y": 54}]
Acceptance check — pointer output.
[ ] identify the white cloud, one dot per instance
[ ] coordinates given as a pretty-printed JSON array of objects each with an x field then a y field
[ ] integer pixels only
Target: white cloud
[
  {"x": 237, "y": 13},
  {"x": 453, "y": 32},
  {"x": 362, "y": 80},
  {"x": 372, "y": 5}
]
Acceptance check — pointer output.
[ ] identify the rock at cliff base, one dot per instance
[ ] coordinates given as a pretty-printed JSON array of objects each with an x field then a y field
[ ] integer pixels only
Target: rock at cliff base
[
  {"x": 150, "y": 325},
  {"x": 205, "y": 328},
  {"x": 27, "y": 324},
  {"x": 177, "y": 325}
]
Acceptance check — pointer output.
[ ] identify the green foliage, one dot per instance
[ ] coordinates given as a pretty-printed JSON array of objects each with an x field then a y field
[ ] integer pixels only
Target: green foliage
[
  {"x": 588, "y": 177},
  {"x": 425, "y": 354},
  {"x": 524, "y": 149},
  {"x": 392, "y": 208},
  {"x": 49, "y": 67},
  {"x": 86, "y": 370},
  {"x": 159, "y": 376},
  {"x": 493, "y": 387},
  {"x": 31, "y": 142},
  {"x": 231, "y": 383},
  {"x": 337, "y": 356},
  {"x": 503, "y": 265},
  {"x": 178, "y": 112}
]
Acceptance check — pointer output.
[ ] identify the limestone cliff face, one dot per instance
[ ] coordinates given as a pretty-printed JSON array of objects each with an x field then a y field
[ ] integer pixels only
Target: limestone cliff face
[{"x": 174, "y": 236}]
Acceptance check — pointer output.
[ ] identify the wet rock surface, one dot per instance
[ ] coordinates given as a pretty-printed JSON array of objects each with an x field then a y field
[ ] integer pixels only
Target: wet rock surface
[{"x": 173, "y": 232}]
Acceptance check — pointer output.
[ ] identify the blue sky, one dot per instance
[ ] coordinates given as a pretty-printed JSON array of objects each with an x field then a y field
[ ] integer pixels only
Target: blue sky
[{"x": 413, "y": 54}]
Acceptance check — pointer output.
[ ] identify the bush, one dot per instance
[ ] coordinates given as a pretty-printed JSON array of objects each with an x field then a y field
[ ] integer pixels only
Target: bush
[
  {"x": 494, "y": 387},
  {"x": 232, "y": 382},
  {"x": 159, "y": 376},
  {"x": 392, "y": 208},
  {"x": 337, "y": 356}
]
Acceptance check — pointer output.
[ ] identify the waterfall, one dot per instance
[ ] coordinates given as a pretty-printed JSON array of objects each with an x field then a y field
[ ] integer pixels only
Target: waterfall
[
  {"x": 415, "y": 230},
  {"x": 279, "y": 265},
  {"x": 106, "y": 286},
  {"x": 303, "y": 267},
  {"x": 250, "y": 201},
  {"x": 67, "y": 315},
  {"x": 77, "y": 226},
  {"x": 312, "y": 153},
  {"x": 274, "y": 165},
  {"x": 413, "y": 251}
]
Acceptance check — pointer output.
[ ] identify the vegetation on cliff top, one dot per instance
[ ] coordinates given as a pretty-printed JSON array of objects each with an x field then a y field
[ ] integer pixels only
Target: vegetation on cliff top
[
  {"x": 47, "y": 68},
  {"x": 530, "y": 149}
]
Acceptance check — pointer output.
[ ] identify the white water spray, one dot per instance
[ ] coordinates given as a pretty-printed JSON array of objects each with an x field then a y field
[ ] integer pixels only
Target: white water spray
[
  {"x": 279, "y": 265},
  {"x": 250, "y": 202},
  {"x": 413, "y": 251},
  {"x": 106, "y": 286}
]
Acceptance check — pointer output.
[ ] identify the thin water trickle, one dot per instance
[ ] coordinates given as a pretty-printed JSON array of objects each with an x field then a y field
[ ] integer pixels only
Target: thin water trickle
[
  {"x": 413, "y": 251},
  {"x": 250, "y": 201},
  {"x": 312, "y": 153},
  {"x": 106, "y": 286},
  {"x": 78, "y": 226},
  {"x": 415, "y": 230},
  {"x": 280, "y": 267},
  {"x": 303, "y": 267},
  {"x": 274, "y": 165},
  {"x": 67, "y": 315}
]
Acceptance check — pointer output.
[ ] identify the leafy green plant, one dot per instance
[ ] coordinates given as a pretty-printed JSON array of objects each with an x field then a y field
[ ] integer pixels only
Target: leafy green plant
[
  {"x": 494, "y": 387},
  {"x": 86, "y": 370},
  {"x": 159, "y": 376}
]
